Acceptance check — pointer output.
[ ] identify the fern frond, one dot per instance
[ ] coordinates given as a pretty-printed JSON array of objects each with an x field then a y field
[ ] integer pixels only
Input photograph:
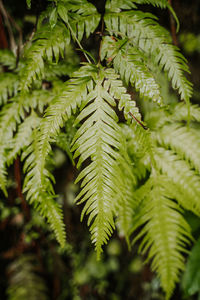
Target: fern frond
[
  {"x": 81, "y": 15},
  {"x": 186, "y": 181},
  {"x": 118, "y": 5},
  {"x": 98, "y": 138},
  {"x": 158, "y": 3},
  {"x": 23, "y": 137},
  {"x": 40, "y": 190},
  {"x": 131, "y": 64},
  {"x": 180, "y": 112},
  {"x": 126, "y": 203},
  {"x": 184, "y": 141},
  {"x": 166, "y": 235},
  {"x": 9, "y": 86},
  {"x": 22, "y": 270},
  {"x": 69, "y": 98},
  {"x": 11, "y": 115},
  {"x": 144, "y": 32},
  {"x": 7, "y": 59},
  {"x": 47, "y": 44},
  {"x": 118, "y": 91}
]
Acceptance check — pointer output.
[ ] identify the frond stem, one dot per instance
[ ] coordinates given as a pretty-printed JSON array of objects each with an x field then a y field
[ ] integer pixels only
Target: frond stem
[{"x": 81, "y": 47}]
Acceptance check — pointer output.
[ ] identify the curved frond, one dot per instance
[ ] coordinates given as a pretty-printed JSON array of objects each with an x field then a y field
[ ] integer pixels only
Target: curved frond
[
  {"x": 131, "y": 64},
  {"x": 183, "y": 140},
  {"x": 47, "y": 44},
  {"x": 70, "y": 97},
  {"x": 166, "y": 235},
  {"x": 186, "y": 182},
  {"x": 81, "y": 15},
  {"x": 23, "y": 137},
  {"x": 180, "y": 112},
  {"x": 7, "y": 59},
  {"x": 144, "y": 32},
  {"x": 118, "y": 5},
  {"x": 158, "y": 3},
  {"x": 39, "y": 190},
  {"x": 8, "y": 87}
]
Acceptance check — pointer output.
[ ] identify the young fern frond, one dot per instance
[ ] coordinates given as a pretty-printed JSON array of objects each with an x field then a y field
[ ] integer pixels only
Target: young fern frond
[
  {"x": 143, "y": 31},
  {"x": 165, "y": 236},
  {"x": 39, "y": 190}
]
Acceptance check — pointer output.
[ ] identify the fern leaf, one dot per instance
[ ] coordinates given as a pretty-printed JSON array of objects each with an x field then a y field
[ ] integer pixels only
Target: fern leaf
[
  {"x": 7, "y": 59},
  {"x": 40, "y": 190},
  {"x": 130, "y": 63},
  {"x": 158, "y": 3},
  {"x": 25, "y": 269},
  {"x": 9, "y": 86},
  {"x": 126, "y": 202},
  {"x": 98, "y": 137},
  {"x": 166, "y": 235},
  {"x": 118, "y": 5},
  {"x": 180, "y": 112},
  {"x": 81, "y": 15},
  {"x": 184, "y": 141},
  {"x": 47, "y": 44},
  {"x": 142, "y": 30},
  {"x": 23, "y": 137},
  {"x": 70, "y": 97},
  {"x": 11, "y": 115},
  {"x": 186, "y": 182}
]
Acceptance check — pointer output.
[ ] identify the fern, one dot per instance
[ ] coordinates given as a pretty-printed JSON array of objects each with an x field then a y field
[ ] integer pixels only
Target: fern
[
  {"x": 40, "y": 190},
  {"x": 24, "y": 269},
  {"x": 81, "y": 15},
  {"x": 138, "y": 175},
  {"x": 9, "y": 86},
  {"x": 47, "y": 44},
  {"x": 144, "y": 32},
  {"x": 131, "y": 65},
  {"x": 166, "y": 235},
  {"x": 7, "y": 59}
]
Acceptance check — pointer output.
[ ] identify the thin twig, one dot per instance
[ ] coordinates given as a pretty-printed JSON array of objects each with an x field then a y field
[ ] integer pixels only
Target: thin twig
[
  {"x": 138, "y": 121},
  {"x": 172, "y": 26},
  {"x": 13, "y": 44},
  {"x": 81, "y": 47}
]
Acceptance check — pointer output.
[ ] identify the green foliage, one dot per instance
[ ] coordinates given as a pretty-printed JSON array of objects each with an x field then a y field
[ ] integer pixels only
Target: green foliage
[
  {"x": 136, "y": 176},
  {"x": 191, "y": 278},
  {"x": 24, "y": 269}
]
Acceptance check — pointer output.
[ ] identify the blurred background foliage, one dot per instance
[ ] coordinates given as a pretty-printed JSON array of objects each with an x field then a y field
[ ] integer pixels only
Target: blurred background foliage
[{"x": 31, "y": 264}]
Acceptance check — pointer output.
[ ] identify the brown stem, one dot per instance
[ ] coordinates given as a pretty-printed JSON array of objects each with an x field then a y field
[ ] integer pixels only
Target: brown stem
[
  {"x": 3, "y": 38},
  {"x": 25, "y": 207},
  {"x": 173, "y": 26},
  {"x": 9, "y": 28}
]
